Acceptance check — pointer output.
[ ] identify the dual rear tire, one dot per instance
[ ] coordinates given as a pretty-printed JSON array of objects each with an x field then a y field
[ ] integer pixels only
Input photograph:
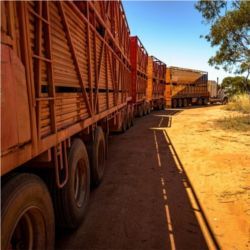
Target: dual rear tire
[
  {"x": 86, "y": 167},
  {"x": 124, "y": 124},
  {"x": 27, "y": 212},
  {"x": 199, "y": 101},
  {"x": 149, "y": 109},
  {"x": 97, "y": 153},
  {"x": 174, "y": 103},
  {"x": 185, "y": 102},
  {"x": 179, "y": 103},
  {"x": 71, "y": 200},
  {"x": 128, "y": 120},
  {"x": 140, "y": 111},
  {"x": 27, "y": 216}
]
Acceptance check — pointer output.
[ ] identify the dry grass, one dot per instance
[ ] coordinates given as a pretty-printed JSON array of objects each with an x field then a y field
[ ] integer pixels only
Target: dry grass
[
  {"x": 240, "y": 119},
  {"x": 239, "y": 103},
  {"x": 235, "y": 122}
]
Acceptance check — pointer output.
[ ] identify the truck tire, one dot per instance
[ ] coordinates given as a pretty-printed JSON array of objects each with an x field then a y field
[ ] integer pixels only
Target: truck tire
[
  {"x": 145, "y": 111},
  {"x": 185, "y": 103},
  {"x": 27, "y": 214},
  {"x": 97, "y": 157},
  {"x": 199, "y": 102},
  {"x": 132, "y": 119},
  {"x": 71, "y": 201},
  {"x": 205, "y": 101},
  {"x": 124, "y": 124},
  {"x": 174, "y": 103},
  {"x": 140, "y": 111},
  {"x": 179, "y": 102},
  {"x": 163, "y": 106},
  {"x": 106, "y": 135},
  {"x": 190, "y": 103},
  {"x": 129, "y": 123},
  {"x": 149, "y": 109}
]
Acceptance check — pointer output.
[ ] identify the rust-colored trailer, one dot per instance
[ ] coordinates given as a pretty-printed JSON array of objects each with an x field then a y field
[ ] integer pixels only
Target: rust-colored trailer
[
  {"x": 65, "y": 80},
  {"x": 186, "y": 87},
  {"x": 156, "y": 83},
  {"x": 139, "y": 63}
]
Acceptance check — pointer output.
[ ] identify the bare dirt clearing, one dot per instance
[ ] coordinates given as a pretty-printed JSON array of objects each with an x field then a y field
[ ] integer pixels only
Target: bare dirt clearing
[
  {"x": 218, "y": 164},
  {"x": 173, "y": 181}
]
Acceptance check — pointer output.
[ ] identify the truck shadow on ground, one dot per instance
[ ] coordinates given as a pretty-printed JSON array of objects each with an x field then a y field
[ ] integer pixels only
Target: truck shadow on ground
[
  {"x": 166, "y": 118},
  {"x": 187, "y": 223},
  {"x": 146, "y": 200}
]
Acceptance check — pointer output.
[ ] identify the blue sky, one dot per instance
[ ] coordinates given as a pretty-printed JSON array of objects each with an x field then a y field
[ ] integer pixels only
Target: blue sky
[{"x": 170, "y": 30}]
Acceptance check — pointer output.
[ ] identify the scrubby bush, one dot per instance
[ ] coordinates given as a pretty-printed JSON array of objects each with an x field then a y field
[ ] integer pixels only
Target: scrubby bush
[
  {"x": 240, "y": 120},
  {"x": 239, "y": 103},
  {"x": 237, "y": 85}
]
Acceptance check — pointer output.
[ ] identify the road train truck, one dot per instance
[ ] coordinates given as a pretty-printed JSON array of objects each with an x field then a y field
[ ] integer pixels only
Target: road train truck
[
  {"x": 186, "y": 87},
  {"x": 65, "y": 84}
]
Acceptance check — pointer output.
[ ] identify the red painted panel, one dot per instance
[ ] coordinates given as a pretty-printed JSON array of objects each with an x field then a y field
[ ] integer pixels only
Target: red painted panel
[
  {"x": 139, "y": 62},
  {"x": 15, "y": 122},
  {"x": 9, "y": 135}
]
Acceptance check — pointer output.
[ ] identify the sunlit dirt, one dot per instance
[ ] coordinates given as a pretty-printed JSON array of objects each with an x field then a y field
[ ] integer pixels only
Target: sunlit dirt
[{"x": 173, "y": 181}]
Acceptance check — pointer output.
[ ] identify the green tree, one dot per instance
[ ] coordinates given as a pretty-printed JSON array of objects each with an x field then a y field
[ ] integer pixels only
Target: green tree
[
  {"x": 230, "y": 32},
  {"x": 235, "y": 85}
]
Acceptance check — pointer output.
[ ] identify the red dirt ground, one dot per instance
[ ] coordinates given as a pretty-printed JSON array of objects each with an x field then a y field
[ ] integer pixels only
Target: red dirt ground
[{"x": 173, "y": 181}]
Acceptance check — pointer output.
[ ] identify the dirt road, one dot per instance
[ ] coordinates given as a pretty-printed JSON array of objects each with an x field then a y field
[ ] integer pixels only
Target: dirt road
[{"x": 164, "y": 189}]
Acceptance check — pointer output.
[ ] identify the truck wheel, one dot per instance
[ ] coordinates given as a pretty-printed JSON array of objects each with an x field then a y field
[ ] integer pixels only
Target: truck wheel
[
  {"x": 180, "y": 103},
  {"x": 124, "y": 124},
  {"x": 27, "y": 214},
  {"x": 174, "y": 103},
  {"x": 106, "y": 135},
  {"x": 163, "y": 106},
  {"x": 129, "y": 123},
  {"x": 185, "y": 103},
  {"x": 132, "y": 119},
  {"x": 145, "y": 110},
  {"x": 140, "y": 111},
  {"x": 205, "y": 101},
  {"x": 149, "y": 109},
  {"x": 199, "y": 102},
  {"x": 190, "y": 103},
  {"x": 71, "y": 201},
  {"x": 97, "y": 157}
]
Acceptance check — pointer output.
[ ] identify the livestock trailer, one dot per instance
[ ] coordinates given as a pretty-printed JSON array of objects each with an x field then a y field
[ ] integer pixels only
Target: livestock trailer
[
  {"x": 186, "y": 87},
  {"x": 139, "y": 63},
  {"x": 155, "y": 92},
  {"x": 65, "y": 81}
]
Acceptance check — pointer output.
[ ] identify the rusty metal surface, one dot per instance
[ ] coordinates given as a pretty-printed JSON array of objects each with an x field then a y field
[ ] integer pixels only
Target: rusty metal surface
[{"x": 77, "y": 70}]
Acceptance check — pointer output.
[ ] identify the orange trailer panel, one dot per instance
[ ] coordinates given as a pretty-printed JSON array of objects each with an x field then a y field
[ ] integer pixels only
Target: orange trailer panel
[
  {"x": 139, "y": 63},
  {"x": 64, "y": 69},
  {"x": 156, "y": 80}
]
